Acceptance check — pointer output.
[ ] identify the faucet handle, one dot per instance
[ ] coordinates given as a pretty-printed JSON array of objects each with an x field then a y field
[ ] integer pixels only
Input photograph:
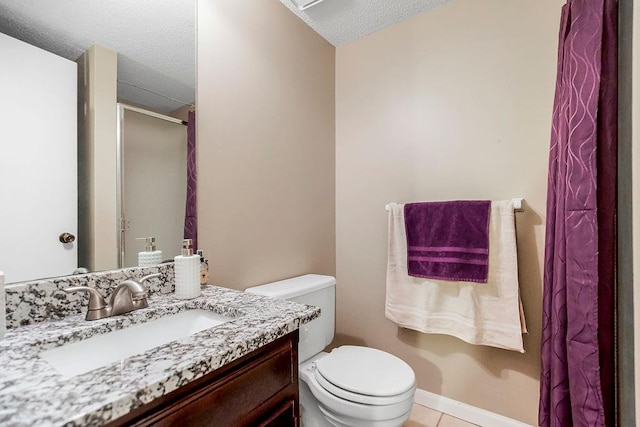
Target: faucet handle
[
  {"x": 97, "y": 306},
  {"x": 149, "y": 276}
]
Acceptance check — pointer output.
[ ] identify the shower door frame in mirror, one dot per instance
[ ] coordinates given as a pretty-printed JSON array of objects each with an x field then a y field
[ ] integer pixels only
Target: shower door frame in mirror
[{"x": 157, "y": 198}]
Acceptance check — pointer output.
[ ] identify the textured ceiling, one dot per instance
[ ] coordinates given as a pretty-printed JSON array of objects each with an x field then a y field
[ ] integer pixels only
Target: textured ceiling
[
  {"x": 155, "y": 41},
  {"x": 342, "y": 21}
]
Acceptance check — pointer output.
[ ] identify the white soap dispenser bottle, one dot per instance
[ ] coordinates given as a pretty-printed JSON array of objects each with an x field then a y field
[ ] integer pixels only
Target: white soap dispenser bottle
[
  {"x": 150, "y": 256},
  {"x": 187, "y": 267}
]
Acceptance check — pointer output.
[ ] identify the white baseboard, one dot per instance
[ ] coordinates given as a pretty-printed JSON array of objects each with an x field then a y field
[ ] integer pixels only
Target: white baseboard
[{"x": 463, "y": 411}]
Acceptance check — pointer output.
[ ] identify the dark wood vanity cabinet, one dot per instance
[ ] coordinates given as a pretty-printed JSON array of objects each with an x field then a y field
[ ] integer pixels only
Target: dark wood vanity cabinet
[{"x": 259, "y": 389}]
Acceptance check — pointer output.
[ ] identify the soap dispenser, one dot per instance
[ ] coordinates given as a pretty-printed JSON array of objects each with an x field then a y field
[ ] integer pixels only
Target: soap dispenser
[
  {"x": 187, "y": 267},
  {"x": 150, "y": 256}
]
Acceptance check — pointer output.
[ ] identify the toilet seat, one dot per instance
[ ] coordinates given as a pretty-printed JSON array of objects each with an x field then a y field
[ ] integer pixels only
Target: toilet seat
[
  {"x": 361, "y": 398},
  {"x": 352, "y": 409},
  {"x": 365, "y": 375},
  {"x": 371, "y": 405}
]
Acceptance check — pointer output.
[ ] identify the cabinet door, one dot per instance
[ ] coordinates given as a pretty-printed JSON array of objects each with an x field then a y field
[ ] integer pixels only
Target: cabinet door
[{"x": 284, "y": 416}]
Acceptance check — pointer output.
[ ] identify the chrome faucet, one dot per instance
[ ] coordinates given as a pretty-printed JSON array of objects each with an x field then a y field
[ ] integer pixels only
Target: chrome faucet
[{"x": 128, "y": 296}]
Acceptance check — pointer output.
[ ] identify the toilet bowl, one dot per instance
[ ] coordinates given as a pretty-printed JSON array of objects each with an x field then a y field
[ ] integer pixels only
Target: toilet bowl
[
  {"x": 352, "y": 385},
  {"x": 359, "y": 386}
]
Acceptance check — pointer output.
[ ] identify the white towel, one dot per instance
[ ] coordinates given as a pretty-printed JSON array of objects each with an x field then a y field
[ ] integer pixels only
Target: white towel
[{"x": 478, "y": 313}]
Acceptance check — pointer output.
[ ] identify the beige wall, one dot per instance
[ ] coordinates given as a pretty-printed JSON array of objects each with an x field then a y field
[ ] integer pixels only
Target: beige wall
[
  {"x": 97, "y": 208},
  {"x": 452, "y": 104},
  {"x": 265, "y": 136}
]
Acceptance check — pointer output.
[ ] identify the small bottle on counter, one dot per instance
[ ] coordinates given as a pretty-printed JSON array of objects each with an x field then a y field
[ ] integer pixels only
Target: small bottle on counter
[
  {"x": 204, "y": 269},
  {"x": 150, "y": 256},
  {"x": 187, "y": 267}
]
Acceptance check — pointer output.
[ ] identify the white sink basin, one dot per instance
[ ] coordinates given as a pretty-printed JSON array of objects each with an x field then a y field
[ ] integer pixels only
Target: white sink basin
[{"x": 101, "y": 350}]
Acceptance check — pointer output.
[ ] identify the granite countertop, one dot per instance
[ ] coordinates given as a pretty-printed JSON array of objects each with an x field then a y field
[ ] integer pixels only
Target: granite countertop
[{"x": 32, "y": 393}]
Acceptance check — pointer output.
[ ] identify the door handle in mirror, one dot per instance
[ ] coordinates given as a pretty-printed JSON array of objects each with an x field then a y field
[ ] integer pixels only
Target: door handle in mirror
[{"x": 66, "y": 238}]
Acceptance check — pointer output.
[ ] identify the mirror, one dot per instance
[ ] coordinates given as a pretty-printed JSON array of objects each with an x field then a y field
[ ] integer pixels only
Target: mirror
[{"x": 155, "y": 46}]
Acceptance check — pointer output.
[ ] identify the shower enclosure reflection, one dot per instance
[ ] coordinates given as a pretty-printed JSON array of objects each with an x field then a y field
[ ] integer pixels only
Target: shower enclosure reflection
[{"x": 152, "y": 182}]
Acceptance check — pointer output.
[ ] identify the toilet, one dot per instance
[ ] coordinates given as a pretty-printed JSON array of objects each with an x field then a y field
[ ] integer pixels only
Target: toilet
[{"x": 351, "y": 385}]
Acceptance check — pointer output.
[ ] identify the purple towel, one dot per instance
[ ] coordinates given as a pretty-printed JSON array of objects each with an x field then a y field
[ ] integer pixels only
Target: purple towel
[{"x": 448, "y": 240}]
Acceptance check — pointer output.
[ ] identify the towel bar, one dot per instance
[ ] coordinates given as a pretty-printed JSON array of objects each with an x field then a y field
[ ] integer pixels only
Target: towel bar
[{"x": 518, "y": 205}]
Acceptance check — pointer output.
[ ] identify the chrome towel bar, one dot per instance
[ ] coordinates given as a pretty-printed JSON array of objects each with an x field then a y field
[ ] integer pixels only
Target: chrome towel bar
[{"x": 518, "y": 205}]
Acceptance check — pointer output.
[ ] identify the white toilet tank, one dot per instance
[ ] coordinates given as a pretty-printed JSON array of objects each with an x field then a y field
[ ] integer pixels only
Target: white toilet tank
[{"x": 311, "y": 289}]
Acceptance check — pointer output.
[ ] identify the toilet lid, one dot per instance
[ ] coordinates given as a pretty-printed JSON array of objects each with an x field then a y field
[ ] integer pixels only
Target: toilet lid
[{"x": 366, "y": 371}]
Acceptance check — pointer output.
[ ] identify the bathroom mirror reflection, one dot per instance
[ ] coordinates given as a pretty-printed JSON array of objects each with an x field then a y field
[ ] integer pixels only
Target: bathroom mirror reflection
[
  {"x": 145, "y": 50},
  {"x": 152, "y": 186}
]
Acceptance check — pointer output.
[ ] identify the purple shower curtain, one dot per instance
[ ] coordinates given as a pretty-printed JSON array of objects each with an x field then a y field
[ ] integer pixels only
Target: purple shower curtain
[
  {"x": 190, "y": 217},
  {"x": 577, "y": 376}
]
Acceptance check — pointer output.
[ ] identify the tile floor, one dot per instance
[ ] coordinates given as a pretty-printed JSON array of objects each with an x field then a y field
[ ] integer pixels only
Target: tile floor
[{"x": 424, "y": 417}]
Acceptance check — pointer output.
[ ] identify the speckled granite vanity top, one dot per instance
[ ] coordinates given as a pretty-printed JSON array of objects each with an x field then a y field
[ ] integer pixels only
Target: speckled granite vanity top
[{"x": 33, "y": 393}]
